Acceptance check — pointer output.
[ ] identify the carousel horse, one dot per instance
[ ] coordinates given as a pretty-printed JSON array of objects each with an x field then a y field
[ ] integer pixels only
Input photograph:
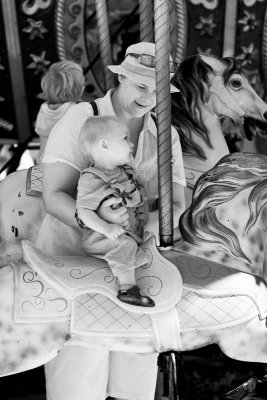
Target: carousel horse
[
  {"x": 221, "y": 224},
  {"x": 215, "y": 304},
  {"x": 47, "y": 302},
  {"x": 212, "y": 88},
  {"x": 209, "y": 89}
]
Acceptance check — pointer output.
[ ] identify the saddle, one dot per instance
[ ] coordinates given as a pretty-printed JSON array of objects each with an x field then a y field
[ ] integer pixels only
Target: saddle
[{"x": 79, "y": 280}]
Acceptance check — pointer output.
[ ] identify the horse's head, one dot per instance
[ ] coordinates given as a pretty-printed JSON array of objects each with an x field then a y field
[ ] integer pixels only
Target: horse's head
[
  {"x": 220, "y": 86},
  {"x": 228, "y": 210},
  {"x": 232, "y": 95}
]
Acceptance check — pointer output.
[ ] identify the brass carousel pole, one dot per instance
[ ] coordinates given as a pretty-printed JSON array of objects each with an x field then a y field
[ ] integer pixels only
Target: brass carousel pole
[
  {"x": 163, "y": 110},
  {"x": 167, "y": 361},
  {"x": 104, "y": 40},
  {"x": 146, "y": 20}
]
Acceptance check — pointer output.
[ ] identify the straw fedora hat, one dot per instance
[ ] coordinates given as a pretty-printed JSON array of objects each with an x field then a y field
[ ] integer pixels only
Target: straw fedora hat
[{"x": 133, "y": 68}]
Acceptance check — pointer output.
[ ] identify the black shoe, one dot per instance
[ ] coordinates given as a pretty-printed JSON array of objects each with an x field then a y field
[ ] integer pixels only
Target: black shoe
[{"x": 134, "y": 297}]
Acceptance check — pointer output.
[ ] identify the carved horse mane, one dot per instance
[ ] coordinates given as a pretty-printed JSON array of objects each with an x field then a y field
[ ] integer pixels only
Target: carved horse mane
[
  {"x": 193, "y": 79},
  {"x": 233, "y": 174}
]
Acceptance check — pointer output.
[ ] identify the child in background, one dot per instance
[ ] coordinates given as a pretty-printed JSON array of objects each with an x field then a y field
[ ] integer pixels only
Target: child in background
[
  {"x": 62, "y": 86},
  {"x": 106, "y": 142}
]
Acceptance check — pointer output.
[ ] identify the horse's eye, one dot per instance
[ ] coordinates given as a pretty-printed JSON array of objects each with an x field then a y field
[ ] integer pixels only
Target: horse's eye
[{"x": 236, "y": 83}]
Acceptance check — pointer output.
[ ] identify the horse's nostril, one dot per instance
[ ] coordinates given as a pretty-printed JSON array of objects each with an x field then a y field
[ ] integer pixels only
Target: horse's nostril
[{"x": 265, "y": 115}]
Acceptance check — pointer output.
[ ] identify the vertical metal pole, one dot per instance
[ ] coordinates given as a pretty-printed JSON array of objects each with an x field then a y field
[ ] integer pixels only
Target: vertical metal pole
[
  {"x": 16, "y": 69},
  {"x": 146, "y": 20},
  {"x": 163, "y": 108},
  {"x": 230, "y": 28},
  {"x": 104, "y": 39}
]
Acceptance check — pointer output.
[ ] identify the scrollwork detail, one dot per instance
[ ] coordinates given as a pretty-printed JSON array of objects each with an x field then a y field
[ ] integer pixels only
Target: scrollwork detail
[
  {"x": 156, "y": 284},
  {"x": 77, "y": 273},
  {"x": 50, "y": 295}
]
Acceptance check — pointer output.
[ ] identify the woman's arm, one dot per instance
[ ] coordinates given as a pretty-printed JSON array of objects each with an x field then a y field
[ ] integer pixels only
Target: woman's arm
[
  {"x": 59, "y": 194},
  {"x": 59, "y": 190}
]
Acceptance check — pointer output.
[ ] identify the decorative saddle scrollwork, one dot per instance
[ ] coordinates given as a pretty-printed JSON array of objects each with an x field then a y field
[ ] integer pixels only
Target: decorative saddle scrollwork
[{"x": 89, "y": 287}]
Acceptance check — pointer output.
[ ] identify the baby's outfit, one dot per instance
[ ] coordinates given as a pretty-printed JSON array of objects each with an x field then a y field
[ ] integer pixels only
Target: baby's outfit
[{"x": 123, "y": 253}]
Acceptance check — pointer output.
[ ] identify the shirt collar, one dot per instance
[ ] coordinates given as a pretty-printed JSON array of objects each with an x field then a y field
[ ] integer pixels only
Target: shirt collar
[
  {"x": 149, "y": 124},
  {"x": 105, "y": 104}
]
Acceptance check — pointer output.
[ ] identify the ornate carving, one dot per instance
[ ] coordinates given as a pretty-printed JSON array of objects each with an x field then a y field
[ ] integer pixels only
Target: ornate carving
[
  {"x": 264, "y": 50},
  {"x": 39, "y": 63},
  {"x": 181, "y": 30},
  {"x": 209, "y": 4},
  {"x": 4, "y": 124},
  {"x": 249, "y": 21},
  {"x": 30, "y": 7},
  {"x": 248, "y": 54},
  {"x": 35, "y": 29},
  {"x": 250, "y": 3},
  {"x": 206, "y": 25}
]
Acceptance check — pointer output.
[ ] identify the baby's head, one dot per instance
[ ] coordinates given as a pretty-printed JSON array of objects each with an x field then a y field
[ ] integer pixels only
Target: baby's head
[
  {"x": 105, "y": 139},
  {"x": 63, "y": 82}
]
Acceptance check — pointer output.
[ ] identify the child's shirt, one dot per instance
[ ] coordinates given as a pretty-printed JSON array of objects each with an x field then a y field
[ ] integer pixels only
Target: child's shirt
[
  {"x": 63, "y": 146},
  {"x": 93, "y": 189},
  {"x": 47, "y": 118}
]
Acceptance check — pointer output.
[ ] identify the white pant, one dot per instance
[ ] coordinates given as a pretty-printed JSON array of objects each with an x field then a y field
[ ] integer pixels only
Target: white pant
[{"x": 79, "y": 373}]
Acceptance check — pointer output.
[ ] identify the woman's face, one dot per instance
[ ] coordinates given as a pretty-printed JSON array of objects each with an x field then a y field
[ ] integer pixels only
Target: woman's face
[{"x": 136, "y": 98}]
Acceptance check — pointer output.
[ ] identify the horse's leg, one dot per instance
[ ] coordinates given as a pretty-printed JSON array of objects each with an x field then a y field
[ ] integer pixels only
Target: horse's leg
[
  {"x": 20, "y": 216},
  {"x": 24, "y": 346}
]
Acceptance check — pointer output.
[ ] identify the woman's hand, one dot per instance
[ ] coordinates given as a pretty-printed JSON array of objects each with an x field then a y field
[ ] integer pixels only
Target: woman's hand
[{"x": 117, "y": 216}]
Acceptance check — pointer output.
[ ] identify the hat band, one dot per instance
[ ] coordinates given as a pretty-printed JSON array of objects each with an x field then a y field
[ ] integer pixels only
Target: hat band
[{"x": 137, "y": 69}]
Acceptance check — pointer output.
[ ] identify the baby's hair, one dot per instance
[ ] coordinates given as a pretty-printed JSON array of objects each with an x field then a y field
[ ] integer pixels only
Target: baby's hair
[
  {"x": 96, "y": 128},
  {"x": 64, "y": 81}
]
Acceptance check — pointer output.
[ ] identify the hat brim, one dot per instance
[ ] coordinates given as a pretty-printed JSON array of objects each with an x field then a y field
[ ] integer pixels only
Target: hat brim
[{"x": 146, "y": 80}]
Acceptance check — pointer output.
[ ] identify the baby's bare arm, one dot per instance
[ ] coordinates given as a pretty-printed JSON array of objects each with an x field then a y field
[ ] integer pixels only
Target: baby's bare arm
[{"x": 94, "y": 222}]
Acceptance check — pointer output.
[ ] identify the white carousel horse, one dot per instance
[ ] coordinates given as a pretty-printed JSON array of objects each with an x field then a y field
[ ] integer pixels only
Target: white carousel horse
[
  {"x": 218, "y": 305},
  {"x": 221, "y": 221},
  {"x": 211, "y": 88},
  {"x": 61, "y": 300}
]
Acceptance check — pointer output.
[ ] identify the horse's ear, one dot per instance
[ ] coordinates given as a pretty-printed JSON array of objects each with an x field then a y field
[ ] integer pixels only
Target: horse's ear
[
  {"x": 202, "y": 69},
  {"x": 192, "y": 76}
]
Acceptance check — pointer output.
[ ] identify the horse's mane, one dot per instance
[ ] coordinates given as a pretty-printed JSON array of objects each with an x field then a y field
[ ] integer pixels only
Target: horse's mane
[
  {"x": 232, "y": 174},
  {"x": 191, "y": 78}
]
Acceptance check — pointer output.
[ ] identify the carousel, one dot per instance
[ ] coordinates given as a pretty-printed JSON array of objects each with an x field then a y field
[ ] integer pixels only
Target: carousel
[{"x": 210, "y": 285}]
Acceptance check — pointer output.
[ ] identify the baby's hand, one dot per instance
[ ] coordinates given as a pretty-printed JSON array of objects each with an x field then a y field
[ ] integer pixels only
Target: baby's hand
[{"x": 114, "y": 231}]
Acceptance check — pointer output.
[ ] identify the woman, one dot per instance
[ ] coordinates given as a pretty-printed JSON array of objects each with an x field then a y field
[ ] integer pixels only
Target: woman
[{"x": 80, "y": 373}]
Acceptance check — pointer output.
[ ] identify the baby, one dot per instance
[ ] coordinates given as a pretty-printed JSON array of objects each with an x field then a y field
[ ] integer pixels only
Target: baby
[
  {"x": 106, "y": 142},
  {"x": 62, "y": 86}
]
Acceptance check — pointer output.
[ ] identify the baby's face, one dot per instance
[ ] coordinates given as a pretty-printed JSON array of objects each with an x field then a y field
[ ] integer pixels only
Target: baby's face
[{"x": 119, "y": 146}]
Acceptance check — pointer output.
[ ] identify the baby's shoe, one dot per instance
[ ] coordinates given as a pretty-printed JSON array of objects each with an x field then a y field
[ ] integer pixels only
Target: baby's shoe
[{"x": 134, "y": 297}]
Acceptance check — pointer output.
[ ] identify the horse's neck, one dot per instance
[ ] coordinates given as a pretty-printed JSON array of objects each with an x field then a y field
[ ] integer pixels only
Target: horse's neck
[{"x": 194, "y": 166}]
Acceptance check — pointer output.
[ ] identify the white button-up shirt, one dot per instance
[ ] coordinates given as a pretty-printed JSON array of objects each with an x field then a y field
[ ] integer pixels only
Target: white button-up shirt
[{"x": 62, "y": 145}]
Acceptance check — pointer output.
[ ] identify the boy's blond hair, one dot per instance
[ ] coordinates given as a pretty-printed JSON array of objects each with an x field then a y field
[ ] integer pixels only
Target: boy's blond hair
[
  {"x": 64, "y": 81},
  {"x": 96, "y": 128}
]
